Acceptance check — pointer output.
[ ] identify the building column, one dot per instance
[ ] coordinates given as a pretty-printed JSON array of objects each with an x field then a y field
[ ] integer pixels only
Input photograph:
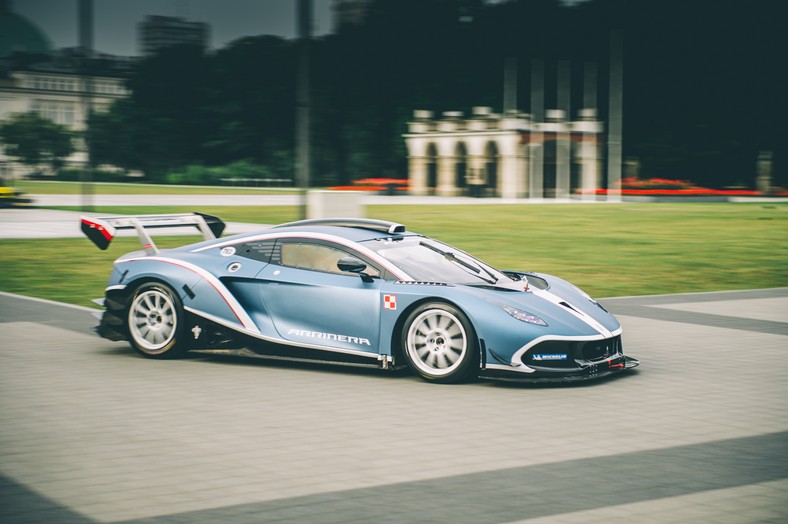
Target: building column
[
  {"x": 589, "y": 129},
  {"x": 557, "y": 126},
  {"x": 563, "y": 165},
  {"x": 417, "y": 175},
  {"x": 510, "y": 183},
  {"x": 446, "y": 173},
  {"x": 536, "y": 161},
  {"x": 524, "y": 163},
  {"x": 510, "y": 166},
  {"x": 589, "y": 162}
]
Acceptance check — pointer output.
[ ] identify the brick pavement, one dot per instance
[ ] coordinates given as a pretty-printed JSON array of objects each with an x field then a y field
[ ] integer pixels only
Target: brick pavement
[{"x": 699, "y": 433}]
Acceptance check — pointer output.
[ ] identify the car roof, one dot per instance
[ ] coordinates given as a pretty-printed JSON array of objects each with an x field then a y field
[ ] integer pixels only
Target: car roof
[
  {"x": 356, "y": 234},
  {"x": 355, "y": 230}
]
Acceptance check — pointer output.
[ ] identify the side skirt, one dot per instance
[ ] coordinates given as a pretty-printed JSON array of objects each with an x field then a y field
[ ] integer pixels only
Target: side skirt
[{"x": 291, "y": 354}]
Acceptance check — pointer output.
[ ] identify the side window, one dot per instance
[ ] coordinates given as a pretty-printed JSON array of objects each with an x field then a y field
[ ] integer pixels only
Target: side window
[
  {"x": 260, "y": 250},
  {"x": 316, "y": 257}
]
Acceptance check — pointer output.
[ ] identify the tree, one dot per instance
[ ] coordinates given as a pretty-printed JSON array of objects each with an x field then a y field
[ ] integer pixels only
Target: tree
[
  {"x": 36, "y": 141},
  {"x": 111, "y": 141},
  {"x": 703, "y": 90}
]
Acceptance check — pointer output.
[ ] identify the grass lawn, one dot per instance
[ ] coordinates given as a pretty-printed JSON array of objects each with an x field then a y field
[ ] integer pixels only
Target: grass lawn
[
  {"x": 606, "y": 249},
  {"x": 620, "y": 249}
]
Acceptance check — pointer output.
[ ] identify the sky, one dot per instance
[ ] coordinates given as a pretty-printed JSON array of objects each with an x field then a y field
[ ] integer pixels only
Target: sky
[{"x": 115, "y": 21}]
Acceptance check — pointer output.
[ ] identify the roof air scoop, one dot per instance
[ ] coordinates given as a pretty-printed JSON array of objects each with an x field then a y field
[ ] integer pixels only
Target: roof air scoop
[{"x": 363, "y": 223}]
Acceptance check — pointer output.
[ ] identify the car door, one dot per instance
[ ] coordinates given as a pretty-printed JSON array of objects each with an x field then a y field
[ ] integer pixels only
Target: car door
[{"x": 312, "y": 302}]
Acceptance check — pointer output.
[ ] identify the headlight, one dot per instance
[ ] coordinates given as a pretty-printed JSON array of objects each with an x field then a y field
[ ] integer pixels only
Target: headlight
[{"x": 525, "y": 316}]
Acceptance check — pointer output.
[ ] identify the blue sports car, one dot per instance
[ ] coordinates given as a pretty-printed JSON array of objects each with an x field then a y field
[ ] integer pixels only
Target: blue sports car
[{"x": 351, "y": 291}]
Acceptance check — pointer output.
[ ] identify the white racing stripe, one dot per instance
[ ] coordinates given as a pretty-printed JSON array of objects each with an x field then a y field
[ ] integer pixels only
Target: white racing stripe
[
  {"x": 243, "y": 318},
  {"x": 558, "y": 301}
]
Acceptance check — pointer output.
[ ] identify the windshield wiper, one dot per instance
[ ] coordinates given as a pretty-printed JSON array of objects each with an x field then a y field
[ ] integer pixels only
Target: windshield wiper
[{"x": 451, "y": 257}]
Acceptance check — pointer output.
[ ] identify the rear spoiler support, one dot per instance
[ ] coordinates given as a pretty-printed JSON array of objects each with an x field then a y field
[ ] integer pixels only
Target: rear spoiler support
[{"x": 101, "y": 230}]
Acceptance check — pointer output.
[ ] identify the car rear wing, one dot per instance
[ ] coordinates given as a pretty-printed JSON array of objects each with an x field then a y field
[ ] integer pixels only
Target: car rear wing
[{"x": 101, "y": 230}]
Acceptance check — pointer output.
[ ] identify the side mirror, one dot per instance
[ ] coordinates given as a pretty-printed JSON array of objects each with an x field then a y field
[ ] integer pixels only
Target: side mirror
[{"x": 354, "y": 265}]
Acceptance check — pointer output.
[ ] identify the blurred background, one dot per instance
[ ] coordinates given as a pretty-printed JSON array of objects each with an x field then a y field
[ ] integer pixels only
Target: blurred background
[{"x": 201, "y": 91}]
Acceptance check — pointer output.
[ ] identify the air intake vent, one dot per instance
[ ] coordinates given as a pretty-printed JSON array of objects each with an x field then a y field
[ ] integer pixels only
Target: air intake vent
[
  {"x": 568, "y": 306},
  {"x": 423, "y": 283},
  {"x": 363, "y": 223}
]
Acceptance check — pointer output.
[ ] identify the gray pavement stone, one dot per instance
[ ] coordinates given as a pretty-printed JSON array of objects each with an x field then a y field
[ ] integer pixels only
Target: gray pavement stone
[
  {"x": 766, "y": 309},
  {"x": 745, "y": 504},
  {"x": 99, "y": 434}
]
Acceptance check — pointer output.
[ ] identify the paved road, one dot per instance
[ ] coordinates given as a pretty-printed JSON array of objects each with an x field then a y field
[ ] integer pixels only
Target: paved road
[
  {"x": 47, "y": 223},
  {"x": 270, "y": 200},
  {"x": 43, "y": 223},
  {"x": 372, "y": 199},
  {"x": 699, "y": 433}
]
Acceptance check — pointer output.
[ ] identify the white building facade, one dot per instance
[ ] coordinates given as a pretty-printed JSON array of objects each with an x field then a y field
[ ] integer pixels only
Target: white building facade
[
  {"x": 56, "y": 91},
  {"x": 57, "y": 96},
  {"x": 506, "y": 156}
]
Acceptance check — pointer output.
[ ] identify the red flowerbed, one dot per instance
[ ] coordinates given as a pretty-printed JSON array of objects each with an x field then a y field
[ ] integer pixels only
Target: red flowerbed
[
  {"x": 356, "y": 188},
  {"x": 667, "y": 187},
  {"x": 697, "y": 191},
  {"x": 375, "y": 185}
]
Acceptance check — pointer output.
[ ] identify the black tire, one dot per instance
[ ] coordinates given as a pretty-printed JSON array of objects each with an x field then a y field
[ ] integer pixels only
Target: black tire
[
  {"x": 439, "y": 343},
  {"x": 155, "y": 321}
]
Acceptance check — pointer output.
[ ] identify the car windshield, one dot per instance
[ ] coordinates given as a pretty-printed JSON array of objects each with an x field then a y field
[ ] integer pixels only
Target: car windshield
[{"x": 428, "y": 260}]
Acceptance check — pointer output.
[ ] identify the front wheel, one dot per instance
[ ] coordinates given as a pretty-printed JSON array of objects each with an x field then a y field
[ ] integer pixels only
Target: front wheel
[
  {"x": 155, "y": 321},
  {"x": 439, "y": 343}
]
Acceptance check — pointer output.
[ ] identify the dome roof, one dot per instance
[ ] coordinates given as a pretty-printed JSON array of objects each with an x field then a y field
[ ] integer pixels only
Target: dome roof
[{"x": 19, "y": 35}]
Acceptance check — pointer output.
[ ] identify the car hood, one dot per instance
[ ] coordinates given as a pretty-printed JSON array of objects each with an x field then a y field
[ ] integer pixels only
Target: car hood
[{"x": 564, "y": 307}]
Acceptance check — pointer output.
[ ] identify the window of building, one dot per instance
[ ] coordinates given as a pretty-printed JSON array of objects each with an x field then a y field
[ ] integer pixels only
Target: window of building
[{"x": 57, "y": 111}]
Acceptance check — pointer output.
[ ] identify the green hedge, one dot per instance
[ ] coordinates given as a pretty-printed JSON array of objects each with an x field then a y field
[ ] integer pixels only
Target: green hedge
[{"x": 215, "y": 176}]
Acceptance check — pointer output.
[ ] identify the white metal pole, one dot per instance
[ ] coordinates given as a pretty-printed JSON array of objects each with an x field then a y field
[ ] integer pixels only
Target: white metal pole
[{"x": 614, "y": 136}]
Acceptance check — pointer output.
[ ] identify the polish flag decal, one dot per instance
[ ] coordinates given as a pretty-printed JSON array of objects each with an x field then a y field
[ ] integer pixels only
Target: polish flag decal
[{"x": 390, "y": 302}]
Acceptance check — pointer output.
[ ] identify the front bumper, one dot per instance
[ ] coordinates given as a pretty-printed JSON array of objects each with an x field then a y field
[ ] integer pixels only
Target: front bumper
[{"x": 584, "y": 372}]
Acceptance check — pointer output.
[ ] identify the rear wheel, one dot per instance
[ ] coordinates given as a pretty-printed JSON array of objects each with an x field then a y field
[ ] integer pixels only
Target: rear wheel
[
  {"x": 155, "y": 321},
  {"x": 439, "y": 343}
]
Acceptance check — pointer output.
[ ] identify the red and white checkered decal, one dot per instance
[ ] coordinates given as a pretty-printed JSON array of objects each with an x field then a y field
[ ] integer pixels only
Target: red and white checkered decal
[{"x": 389, "y": 301}]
